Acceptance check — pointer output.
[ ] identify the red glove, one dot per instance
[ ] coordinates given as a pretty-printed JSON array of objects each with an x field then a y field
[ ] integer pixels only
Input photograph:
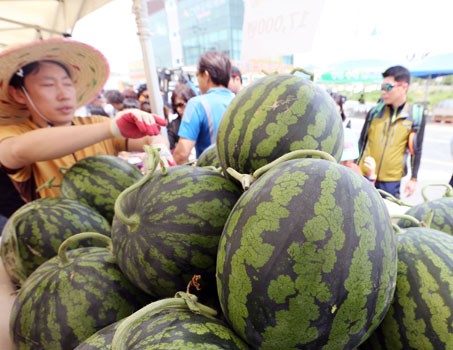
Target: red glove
[{"x": 134, "y": 124}]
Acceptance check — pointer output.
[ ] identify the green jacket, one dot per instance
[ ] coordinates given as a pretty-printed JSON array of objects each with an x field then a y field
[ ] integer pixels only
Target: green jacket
[{"x": 389, "y": 137}]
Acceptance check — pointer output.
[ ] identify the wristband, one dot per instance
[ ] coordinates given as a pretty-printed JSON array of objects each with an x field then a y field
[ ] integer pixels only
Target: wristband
[{"x": 114, "y": 129}]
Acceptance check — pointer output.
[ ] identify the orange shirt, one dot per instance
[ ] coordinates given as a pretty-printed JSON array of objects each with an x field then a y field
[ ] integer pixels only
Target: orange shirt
[{"x": 30, "y": 177}]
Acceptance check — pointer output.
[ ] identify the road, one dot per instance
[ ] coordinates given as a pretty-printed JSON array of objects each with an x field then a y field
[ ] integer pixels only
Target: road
[{"x": 436, "y": 166}]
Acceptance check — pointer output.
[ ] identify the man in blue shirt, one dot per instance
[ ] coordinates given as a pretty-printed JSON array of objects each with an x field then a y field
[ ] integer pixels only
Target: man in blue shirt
[{"x": 203, "y": 113}]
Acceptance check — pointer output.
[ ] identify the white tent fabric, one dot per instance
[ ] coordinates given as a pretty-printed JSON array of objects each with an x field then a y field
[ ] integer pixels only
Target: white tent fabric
[{"x": 23, "y": 21}]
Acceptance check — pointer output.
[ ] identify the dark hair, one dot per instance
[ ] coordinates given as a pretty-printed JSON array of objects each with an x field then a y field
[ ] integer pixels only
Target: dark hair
[
  {"x": 182, "y": 91},
  {"x": 339, "y": 100},
  {"x": 218, "y": 65},
  {"x": 114, "y": 96},
  {"x": 141, "y": 88},
  {"x": 235, "y": 72},
  {"x": 400, "y": 73},
  {"x": 18, "y": 79}
]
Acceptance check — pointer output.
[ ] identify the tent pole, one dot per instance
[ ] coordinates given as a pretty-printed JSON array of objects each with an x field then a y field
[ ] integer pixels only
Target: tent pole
[{"x": 155, "y": 97}]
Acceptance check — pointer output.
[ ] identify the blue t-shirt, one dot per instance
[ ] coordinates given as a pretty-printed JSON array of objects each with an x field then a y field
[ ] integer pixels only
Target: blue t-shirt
[{"x": 196, "y": 125}]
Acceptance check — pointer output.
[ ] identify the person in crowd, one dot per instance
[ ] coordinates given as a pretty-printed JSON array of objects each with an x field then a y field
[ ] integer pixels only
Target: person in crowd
[
  {"x": 96, "y": 107},
  {"x": 131, "y": 103},
  {"x": 203, "y": 113},
  {"x": 351, "y": 154},
  {"x": 351, "y": 145},
  {"x": 179, "y": 98},
  {"x": 44, "y": 82},
  {"x": 392, "y": 130},
  {"x": 114, "y": 102},
  {"x": 340, "y": 100},
  {"x": 143, "y": 98},
  {"x": 235, "y": 83},
  {"x": 129, "y": 93}
]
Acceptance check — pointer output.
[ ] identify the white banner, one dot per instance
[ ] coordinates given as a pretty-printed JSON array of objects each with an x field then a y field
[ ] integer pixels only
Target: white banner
[{"x": 279, "y": 27}]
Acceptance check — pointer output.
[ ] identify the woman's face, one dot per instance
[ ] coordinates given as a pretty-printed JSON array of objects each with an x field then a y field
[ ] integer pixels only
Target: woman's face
[{"x": 179, "y": 106}]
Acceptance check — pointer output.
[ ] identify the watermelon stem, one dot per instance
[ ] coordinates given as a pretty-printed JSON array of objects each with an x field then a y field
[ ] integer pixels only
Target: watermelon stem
[
  {"x": 73, "y": 240},
  {"x": 181, "y": 302},
  {"x": 410, "y": 218},
  {"x": 153, "y": 162},
  {"x": 247, "y": 179},
  {"x": 312, "y": 76},
  {"x": 448, "y": 190},
  {"x": 393, "y": 199},
  {"x": 47, "y": 184}
]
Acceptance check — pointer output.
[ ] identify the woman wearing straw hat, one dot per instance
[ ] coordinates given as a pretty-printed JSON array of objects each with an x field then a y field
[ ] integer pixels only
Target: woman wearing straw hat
[{"x": 41, "y": 86}]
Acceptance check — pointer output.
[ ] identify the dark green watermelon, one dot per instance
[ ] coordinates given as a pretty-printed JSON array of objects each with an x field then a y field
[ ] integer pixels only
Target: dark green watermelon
[
  {"x": 421, "y": 314},
  {"x": 166, "y": 228},
  {"x": 209, "y": 157},
  {"x": 72, "y": 296},
  {"x": 441, "y": 210},
  {"x": 101, "y": 340},
  {"x": 273, "y": 116},
  {"x": 36, "y": 230},
  {"x": 98, "y": 180},
  {"x": 307, "y": 258},
  {"x": 171, "y": 324}
]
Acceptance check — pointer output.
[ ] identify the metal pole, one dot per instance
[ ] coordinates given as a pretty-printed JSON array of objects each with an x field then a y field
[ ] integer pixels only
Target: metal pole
[{"x": 155, "y": 97}]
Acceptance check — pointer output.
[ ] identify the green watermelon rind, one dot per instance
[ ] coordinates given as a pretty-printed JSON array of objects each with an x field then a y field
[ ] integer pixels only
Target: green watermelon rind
[
  {"x": 279, "y": 291},
  {"x": 273, "y": 116}
]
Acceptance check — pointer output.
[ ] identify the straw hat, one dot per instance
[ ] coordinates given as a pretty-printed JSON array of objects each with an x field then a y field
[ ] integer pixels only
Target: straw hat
[{"x": 88, "y": 67}]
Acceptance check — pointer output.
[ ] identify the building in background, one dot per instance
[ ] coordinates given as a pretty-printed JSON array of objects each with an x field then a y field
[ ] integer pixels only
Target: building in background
[{"x": 181, "y": 30}]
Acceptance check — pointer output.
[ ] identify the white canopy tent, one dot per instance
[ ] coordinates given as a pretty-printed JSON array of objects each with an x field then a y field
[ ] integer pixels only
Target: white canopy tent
[{"x": 23, "y": 21}]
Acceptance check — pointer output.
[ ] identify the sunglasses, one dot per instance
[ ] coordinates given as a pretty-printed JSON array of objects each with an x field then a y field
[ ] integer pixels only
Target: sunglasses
[
  {"x": 179, "y": 105},
  {"x": 388, "y": 87}
]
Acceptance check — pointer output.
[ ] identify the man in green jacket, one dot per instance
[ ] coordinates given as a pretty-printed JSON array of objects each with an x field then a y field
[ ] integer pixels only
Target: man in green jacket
[{"x": 392, "y": 131}]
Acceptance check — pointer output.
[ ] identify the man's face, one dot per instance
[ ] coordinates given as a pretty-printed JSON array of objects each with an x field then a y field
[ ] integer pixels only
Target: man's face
[
  {"x": 235, "y": 84},
  {"x": 393, "y": 92},
  {"x": 52, "y": 92}
]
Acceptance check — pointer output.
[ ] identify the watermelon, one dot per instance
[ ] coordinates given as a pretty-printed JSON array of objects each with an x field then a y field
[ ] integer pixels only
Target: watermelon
[
  {"x": 71, "y": 296},
  {"x": 421, "y": 314},
  {"x": 175, "y": 323},
  {"x": 307, "y": 258},
  {"x": 167, "y": 227},
  {"x": 209, "y": 157},
  {"x": 441, "y": 210},
  {"x": 98, "y": 180},
  {"x": 101, "y": 340},
  {"x": 273, "y": 116},
  {"x": 35, "y": 231}
]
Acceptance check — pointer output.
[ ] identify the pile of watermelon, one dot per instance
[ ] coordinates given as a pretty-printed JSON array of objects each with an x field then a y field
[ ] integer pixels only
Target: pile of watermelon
[{"x": 267, "y": 243}]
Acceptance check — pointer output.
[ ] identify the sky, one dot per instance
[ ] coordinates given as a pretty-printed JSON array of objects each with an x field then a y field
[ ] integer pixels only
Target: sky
[{"x": 347, "y": 30}]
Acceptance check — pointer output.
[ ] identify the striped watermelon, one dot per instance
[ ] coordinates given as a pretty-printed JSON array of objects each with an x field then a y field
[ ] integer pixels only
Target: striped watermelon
[
  {"x": 36, "y": 230},
  {"x": 98, "y": 180},
  {"x": 273, "y": 116},
  {"x": 72, "y": 296},
  {"x": 209, "y": 157},
  {"x": 307, "y": 258},
  {"x": 167, "y": 227},
  {"x": 441, "y": 210},
  {"x": 421, "y": 314},
  {"x": 173, "y": 324},
  {"x": 101, "y": 340}
]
